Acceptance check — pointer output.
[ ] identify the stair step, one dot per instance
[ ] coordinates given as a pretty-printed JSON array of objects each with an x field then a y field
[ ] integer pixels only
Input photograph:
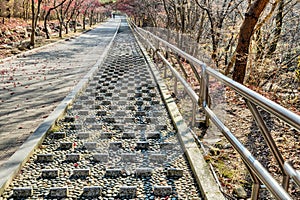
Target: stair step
[
  {"x": 113, "y": 172},
  {"x": 22, "y": 192},
  {"x": 59, "y": 192},
  {"x": 74, "y": 157},
  {"x": 58, "y": 135},
  {"x": 162, "y": 190},
  {"x": 128, "y": 191},
  {"x": 143, "y": 172},
  {"x": 50, "y": 173},
  {"x": 174, "y": 172},
  {"x": 92, "y": 191},
  {"x": 81, "y": 172},
  {"x": 66, "y": 145},
  {"x": 100, "y": 157},
  {"x": 45, "y": 158}
]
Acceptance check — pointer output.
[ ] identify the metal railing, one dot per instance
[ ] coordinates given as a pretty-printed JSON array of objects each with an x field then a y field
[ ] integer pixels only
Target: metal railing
[{"x": 253, "y": 100}]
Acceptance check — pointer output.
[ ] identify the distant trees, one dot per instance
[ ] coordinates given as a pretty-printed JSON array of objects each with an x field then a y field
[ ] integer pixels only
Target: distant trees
[
  {"x": 222, "y": 28},
  {"x": 64, "y": 11}
]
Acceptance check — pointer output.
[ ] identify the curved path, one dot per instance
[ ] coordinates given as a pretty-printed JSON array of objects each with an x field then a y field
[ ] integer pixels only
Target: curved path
[{"x": 32, "y": 85}]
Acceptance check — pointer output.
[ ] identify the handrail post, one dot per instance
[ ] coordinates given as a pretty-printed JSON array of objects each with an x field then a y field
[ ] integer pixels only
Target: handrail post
[
  {"x": 204, "y": 93},
  {"x": 256, "y": 183},
  {"x": 194, "y": 114},
  {"x": 175, "y": 86},
  {"x": 269, "y": 140}
]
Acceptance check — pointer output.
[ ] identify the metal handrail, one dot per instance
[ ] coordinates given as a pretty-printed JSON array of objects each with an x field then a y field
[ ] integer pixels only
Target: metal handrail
[
  {"x": 279, "y": 111},
  {"x": 254, "y": 99}
]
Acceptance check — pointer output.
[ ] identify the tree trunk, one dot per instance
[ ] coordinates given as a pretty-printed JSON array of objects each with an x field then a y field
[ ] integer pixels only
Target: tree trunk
[
  {"x": 83, "y": 22},
  {"x": 278, "y": 28},
  {"x": 32, "y": 38},
  {"x": 246, "y": 31},
  {"x": 45, "y": 24}
]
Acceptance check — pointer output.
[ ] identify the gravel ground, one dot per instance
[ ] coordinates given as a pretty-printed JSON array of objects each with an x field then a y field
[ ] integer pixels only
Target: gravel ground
[{"x": 121, "y": 98}]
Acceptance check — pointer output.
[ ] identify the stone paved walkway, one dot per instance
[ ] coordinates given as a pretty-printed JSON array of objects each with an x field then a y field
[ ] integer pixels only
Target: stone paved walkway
[{"x": 33, "y": 85}]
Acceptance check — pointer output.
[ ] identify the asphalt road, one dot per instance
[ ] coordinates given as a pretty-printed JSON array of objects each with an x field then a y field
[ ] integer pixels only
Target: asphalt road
[{"x": 32, "y": 85}]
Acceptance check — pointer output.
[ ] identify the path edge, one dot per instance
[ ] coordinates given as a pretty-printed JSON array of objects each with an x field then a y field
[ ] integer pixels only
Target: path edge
[
  {"x": 204, "y": 177},
  {"x": 12, "y": 166}
]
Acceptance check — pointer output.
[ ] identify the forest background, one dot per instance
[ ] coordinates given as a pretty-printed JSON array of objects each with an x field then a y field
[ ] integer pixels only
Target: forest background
[{"x": 254, "y": 42}]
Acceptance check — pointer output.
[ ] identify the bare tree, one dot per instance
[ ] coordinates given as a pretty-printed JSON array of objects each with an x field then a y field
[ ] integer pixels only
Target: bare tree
[{"x": 245, "y": 34}]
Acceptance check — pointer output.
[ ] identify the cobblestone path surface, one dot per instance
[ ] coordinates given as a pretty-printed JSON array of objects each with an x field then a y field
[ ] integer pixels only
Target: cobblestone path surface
[
  {"x": 33, "y": 85},
  {"x": 116, "y": 141}
]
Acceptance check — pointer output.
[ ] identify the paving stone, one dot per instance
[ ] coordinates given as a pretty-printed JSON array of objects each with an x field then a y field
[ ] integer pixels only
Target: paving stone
[
  {"x": 140, "y": 113},
  {"x": 90, "y": 120},
  {"x": 77, "y": 106},
  {"x": 66, "y": 145},
  {"x": 151, "y": 120},
  {"x": 115, "y": 145},
  {"x": 50, "y": 173},
  {"x": 157, "y": 114},
  {"x": 45, "y": 158},
  {"x": 106, "y": 102},
  {"x": 128, "y": 135},
  {"x": 92, "y": 191},
  {"x": 161, "y": 127},
  {"x": 128, "y": 157},
  {"x": 137, "y": 95},
  {"x": 83, "y": 97},
  {"x": 74, "y": 157},
  {"x": 83, "y": 112},
  {"x": 129, "y": 120},
  {"x": 113, "y": 172},
  {"x": 142, "y": 145},
  {"x": 139, "y": 103},
  {"x": 147, "y": 98},
  {"x": 83, "y": 135},
  {"x": 90, "y": 145},
  {"x": 106, "y": 135},
  {"x": 96, "y": 126},
  {"x": 59, "y": 192},
  {"x": 120, "y": 113},
  {"x": 119, "y": 127},
  {"x": 81, "y": 172},
  {"x": 76, "y": 126},
  {"x": 100, "y": 157},
  {"x": 99, "y": 98},
  {"x": 132, "y": 108},
  {"x": 69, "y": 119},
  {"x": 153, "y": 135},
  {"x": 143, "y": 171},
  {"x": 167, "y": 146},
  {"x": 88, "y": 102},
  {"x": 109, "y": 120},
  {"x": 140, "y": 127},
  {"x": 22, "y": 192},
  {"x": 174, "y": 172},
  {"x": 157, "y": 157},
  {"x": 101, "y": 113},
  {"x": 155, "y": 102},
  {"x": 58, "y": 135},
  {"x": 128, "y": 191},
  {"x": 162, "y": 190}
]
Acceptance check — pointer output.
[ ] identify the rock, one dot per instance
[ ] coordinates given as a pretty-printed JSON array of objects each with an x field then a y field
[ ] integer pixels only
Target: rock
[
  {"x": 240, "y": 192},
  {"x": 15, "y": 51},
  {"x": 7, "y": 33},
  {"x": 214, "y": 151}
]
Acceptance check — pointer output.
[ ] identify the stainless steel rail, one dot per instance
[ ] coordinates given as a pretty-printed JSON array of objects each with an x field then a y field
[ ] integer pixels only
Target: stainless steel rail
[{"x": 252, "y": 99}]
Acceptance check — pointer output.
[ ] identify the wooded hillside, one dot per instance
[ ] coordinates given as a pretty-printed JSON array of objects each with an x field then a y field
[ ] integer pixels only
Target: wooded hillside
[{"x": 263, "y": 53}]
